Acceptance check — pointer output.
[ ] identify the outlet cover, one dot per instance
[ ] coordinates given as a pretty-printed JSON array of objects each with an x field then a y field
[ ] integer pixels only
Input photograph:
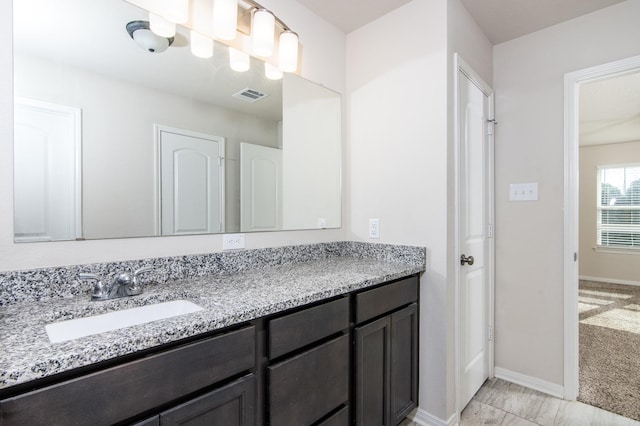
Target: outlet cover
[
  {"x": 232, "y": 241},
  {"x": 374, "y": 228}
]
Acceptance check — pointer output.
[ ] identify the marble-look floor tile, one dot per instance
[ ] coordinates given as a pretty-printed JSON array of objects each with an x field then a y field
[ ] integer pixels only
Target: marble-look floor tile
[
  {"x": 479, "y": 413},
  {"x": 572, "y": 413},
  {"x": 513, "y": 420},
  {"x": 523, "y": 402}
]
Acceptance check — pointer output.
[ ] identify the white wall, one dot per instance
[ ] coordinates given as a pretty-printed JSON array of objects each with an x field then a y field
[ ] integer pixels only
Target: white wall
[
  {"x": 528, "y": 81},
  {"x": 323, "y": 60},
  {"x": 605, "y": 266}
]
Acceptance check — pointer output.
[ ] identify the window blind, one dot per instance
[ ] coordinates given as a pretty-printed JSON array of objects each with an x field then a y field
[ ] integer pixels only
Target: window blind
[{"x": 618, "y": 223}]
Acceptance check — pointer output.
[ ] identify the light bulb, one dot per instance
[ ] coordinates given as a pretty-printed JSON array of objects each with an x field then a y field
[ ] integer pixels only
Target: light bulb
[
  {"x": 288, "y": 51},
  {"x": 238, "y": 61},
  {"x": 177, "y": 11},
  {"x": 201, "y": 46},
  {"x": 161, "y": 26},
  {"x": 272, "y": 72},
  {"x": 262, "y": 33},
  {"x": 225, "y": 19}
]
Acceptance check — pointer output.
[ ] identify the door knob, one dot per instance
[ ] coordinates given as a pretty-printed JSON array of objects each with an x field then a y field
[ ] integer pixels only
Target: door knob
[{"x": 468, "y": 260}]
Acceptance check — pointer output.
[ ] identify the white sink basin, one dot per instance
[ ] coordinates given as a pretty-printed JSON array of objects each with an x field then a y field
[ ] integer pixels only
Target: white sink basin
[{"x": 80, "y": 327}]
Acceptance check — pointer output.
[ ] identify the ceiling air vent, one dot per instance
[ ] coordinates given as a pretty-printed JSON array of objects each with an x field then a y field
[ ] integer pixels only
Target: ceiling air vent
[{"x": 250, "y": 95}]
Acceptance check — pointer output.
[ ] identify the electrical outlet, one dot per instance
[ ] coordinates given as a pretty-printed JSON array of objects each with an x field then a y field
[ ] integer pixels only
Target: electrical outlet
[
  {"x": 374, "y": 228},
  {"x": 322, "y": 222},
  {"x": 232, "y": 241}
]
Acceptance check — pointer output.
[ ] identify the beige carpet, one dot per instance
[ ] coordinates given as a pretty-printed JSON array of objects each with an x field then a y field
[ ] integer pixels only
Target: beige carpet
[{"x": 610, "y": 347}]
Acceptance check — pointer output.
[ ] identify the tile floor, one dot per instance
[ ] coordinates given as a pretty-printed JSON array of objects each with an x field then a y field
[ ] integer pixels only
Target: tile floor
[{"x": 499, "y": 402}]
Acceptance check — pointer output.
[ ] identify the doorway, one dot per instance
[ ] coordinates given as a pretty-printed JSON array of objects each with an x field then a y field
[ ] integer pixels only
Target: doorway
[
  {"x": 474, "y": 133},
  {"x": 573, "y": 81}
]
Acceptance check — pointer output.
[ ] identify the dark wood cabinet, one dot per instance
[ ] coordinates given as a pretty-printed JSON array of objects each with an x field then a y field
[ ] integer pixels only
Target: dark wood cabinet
[
  {"x": 352, "y": 359},
  {"x": 386, "y": 354},
  {"x": 311, "y": 380},
  {"x": 230, "y": 405}
]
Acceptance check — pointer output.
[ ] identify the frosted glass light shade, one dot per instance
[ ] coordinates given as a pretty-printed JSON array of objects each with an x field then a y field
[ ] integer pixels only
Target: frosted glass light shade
[
  {"x": 272, "y": 72},
  {"x": 262, "y": 33},
  {"x": 238, "y": 61},
  {"x": 177, "y": 11},
  {"x": 161, "y": 26},
  {"x": 225, "y": 19},
  {"x": 201, "y": 46},
  {"x": 288, "y": 51}
]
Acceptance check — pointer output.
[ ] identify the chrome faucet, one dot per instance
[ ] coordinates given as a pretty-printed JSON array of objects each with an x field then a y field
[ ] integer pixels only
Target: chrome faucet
[{"x": 124, "y": 284}]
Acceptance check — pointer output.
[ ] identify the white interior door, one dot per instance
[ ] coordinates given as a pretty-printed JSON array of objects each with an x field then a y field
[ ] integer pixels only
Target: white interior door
[
  {"x": 46, "y": 172},
  {"x": 260, "y": 188},
  {"x": 191, "y": 177},
  {"x": 475, "y": 194}
]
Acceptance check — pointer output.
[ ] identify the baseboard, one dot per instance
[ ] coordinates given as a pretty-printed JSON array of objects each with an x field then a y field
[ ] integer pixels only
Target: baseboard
[
  {"x": 530, "y": 382},
  {"x": 609, "y": 280},
  {"x": 423, "y": 418}
]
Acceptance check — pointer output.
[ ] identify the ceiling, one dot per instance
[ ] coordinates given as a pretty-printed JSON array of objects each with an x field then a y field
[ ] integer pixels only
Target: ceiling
[
  {"x": 501, "y": 20},
  {"x": 609, "y": 110}
]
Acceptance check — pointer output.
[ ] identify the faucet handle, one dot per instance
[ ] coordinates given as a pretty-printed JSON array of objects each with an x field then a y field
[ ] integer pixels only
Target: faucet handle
[
  {"x": 136, "y": 288},
  {"x": 100, "y": 292}
]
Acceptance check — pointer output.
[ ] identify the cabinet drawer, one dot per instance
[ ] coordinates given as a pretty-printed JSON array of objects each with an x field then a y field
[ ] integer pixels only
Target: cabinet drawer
[
  {"x": 307, "y": 387},
  {"x": 372, "y": 303},
  {"x": 341, "y": 418},
  {"x": 123, "y": 391},
  {"x": 231, "y": 405},
  {"x": 299, "y": 329}
]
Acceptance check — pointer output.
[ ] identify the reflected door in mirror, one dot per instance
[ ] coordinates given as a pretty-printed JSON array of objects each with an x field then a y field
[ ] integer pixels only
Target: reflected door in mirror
[
  {"x": 191, "y": 182},
  {"x": 46, "y": 172}
]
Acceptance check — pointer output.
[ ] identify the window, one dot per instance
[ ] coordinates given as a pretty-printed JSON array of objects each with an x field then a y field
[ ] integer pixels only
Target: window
[{"x": 619, "y": 206}]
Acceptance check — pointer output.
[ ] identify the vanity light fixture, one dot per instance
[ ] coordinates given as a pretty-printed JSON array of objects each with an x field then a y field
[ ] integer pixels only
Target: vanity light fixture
[
  {"x": 140, "y": 32},
  {"x": 288, "y": 51},
  {"x": 262, "y": 32},
  {"x": 176, "y": 10},
  {"x": 272, "y": 72},
  {"x": 242, "y": 24},
  {"x": 201, "y": 45},
  {"x": 225, "y": 19},
  {"x": 238, "y": 60}
]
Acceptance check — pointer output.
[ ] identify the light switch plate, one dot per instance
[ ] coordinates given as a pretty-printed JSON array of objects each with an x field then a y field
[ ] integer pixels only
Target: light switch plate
[
  {"x": 523, "y": 191},
  {"x": 232, "y": 241}
]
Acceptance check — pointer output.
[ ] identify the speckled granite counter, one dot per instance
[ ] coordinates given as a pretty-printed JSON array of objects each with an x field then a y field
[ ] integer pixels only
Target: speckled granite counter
[{"x": 229, "y": 296}]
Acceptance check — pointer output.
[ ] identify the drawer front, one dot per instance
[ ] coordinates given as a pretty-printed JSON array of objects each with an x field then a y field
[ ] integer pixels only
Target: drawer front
[
  {"x": 120, "y": 392},
  {"x": 230, "y": 405},
  {"x": 299, "y": 329},
  {"x": 308, "y": 386},
  {"x": 372, "y": 303},
  {"x": 341, "y": 418}
]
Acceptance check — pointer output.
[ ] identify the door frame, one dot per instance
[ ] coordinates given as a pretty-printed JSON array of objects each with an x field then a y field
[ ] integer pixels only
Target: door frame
[
  {"x": 572, "y": 82},
  {"x": 157, "y": 171},
  {"x": 460, "y": 66}
]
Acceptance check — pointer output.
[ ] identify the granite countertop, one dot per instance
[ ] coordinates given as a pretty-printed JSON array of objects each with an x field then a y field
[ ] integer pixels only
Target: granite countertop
[{"x": 228, "y": 299}]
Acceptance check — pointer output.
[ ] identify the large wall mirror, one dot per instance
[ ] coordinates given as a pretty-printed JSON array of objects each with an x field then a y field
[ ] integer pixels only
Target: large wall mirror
[{"x": 112, "y": 141}]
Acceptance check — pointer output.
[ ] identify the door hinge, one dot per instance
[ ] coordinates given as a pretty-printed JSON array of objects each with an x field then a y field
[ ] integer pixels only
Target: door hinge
[
  {"x": 575, "y": 256},
  {"x": 490, "y": 230},
  {"x": 490, "y": 333},
  {"x": 220, "y": 161},
  {"x": 491, "y": 126}
]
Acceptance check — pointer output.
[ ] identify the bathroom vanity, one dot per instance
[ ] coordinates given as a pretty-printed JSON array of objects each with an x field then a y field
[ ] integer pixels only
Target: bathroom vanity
[{"x": 331, "y": 341}]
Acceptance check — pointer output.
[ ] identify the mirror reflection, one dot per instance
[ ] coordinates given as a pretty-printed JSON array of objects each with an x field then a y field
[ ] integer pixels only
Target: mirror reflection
[{"x": 112, "y": 141}]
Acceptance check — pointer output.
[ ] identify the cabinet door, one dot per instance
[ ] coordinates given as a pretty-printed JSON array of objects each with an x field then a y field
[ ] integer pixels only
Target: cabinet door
[
  {"x": 404, "y": 362},
  {"x": 373, "y": 353},
  {"x": 231, "y": 405}
]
